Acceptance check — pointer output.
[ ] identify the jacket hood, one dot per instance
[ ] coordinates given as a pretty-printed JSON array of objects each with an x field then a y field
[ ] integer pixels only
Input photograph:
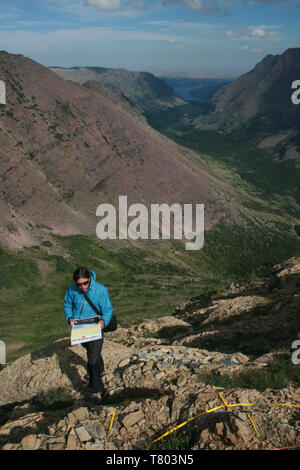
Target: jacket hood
[{"x": 93, "y": 279}]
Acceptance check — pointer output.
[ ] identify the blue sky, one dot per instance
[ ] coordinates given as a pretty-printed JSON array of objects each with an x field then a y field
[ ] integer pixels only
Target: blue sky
[{"x": 196, "y": 37}]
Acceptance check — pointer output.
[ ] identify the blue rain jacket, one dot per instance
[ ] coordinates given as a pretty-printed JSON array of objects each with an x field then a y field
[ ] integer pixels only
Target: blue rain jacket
[{"x": 75, "y": 300}]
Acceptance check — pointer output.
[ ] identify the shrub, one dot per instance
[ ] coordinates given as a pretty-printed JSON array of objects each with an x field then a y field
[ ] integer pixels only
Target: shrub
[
  {"x": 55, "y": 399},
  {"x": 279, "y": 374},
  {"x": 178, "y": 440}
]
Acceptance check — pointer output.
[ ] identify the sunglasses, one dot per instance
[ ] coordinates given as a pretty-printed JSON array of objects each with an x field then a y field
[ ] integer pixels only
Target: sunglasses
[{"x": 85, "y": 283}]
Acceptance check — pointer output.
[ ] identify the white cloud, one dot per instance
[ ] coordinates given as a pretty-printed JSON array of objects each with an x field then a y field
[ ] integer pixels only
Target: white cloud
[
  {"x": 211, "y": 7},
  {"x": 221, "y": 7},
  {"x": 258, "y": 32},
  {"x": 87, "y": 36},
  {"x": 138, "y": 5},
  {"x": 115, "y": 6},
  {"x": 247, "y": 48},
  {"x": 253, "y": 32},
  {"x": 106, "y": 5},
  {"x": 231, "y": 34},
  {"x": 194, "y": 4}
]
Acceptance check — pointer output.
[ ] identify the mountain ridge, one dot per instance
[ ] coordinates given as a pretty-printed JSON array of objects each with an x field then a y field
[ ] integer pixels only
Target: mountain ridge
[
  {"x": 258, "y": 101},
  {"x": 61, "y": 137},
  {"x": 143, "y": 89}
]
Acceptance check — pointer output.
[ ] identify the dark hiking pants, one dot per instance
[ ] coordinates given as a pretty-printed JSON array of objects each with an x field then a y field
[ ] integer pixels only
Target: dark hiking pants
[{"x": 95, "y": 365}]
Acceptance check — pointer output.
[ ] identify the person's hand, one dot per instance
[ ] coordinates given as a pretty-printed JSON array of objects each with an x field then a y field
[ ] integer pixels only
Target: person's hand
[
  {"x": 102, "y": 324},
  {"x": 72, "y": 322}
]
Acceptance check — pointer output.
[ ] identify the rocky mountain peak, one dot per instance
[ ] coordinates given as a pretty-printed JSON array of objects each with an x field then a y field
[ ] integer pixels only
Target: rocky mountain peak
[{"x": 260, "y": 98}]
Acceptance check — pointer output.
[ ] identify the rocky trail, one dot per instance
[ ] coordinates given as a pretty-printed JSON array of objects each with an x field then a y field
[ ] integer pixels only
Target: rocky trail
[{"x": 156, "y": 379}]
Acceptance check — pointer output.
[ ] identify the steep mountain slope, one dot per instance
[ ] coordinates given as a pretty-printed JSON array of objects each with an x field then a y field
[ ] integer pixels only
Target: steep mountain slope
[
  {"x": 259, "y": 102},
  {"x": 143, "y": 89},
  {"x": 66, "y": 148},
  {"x": 252, "y": 128},
  {"x": 161, "y": 374}
]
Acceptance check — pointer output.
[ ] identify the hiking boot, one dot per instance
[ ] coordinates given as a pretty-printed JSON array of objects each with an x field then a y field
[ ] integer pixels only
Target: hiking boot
[{"x": 93, "y": 395}]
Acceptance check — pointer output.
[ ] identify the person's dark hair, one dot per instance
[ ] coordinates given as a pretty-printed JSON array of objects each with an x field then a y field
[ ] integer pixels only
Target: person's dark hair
[{"x": 81, "y": 272}]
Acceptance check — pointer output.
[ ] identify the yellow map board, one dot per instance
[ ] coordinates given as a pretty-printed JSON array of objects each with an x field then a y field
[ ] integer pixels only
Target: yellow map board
[{"x": 85, "y": 332}]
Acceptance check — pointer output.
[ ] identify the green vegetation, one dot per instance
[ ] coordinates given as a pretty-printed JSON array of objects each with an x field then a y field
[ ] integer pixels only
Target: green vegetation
[
  {"x": 54, "y": 399},
  {"x": 31, "y": 304},
  {"x": 176, "y": 117},
  {"x": 59, "y": 136},
  {"x": 240, "y": 153},
  {"x": 177, "y": 440},
  {"x": 14, "y": 269},
  {"x": 64, "y": 107},
  {"x": 153, "y": 279},
  {"x": 279, "y": 374},
  {"x": 297, "y": 230},
  {"x": 18, "y": 90},
  {"x": 244, "y": 252},
  {"x": 271, "y": 176},
  {"x": 143, "y": 283}
]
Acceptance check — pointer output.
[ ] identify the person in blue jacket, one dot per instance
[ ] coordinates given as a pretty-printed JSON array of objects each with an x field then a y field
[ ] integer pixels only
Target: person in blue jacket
[{"x": 76, "y": 306}]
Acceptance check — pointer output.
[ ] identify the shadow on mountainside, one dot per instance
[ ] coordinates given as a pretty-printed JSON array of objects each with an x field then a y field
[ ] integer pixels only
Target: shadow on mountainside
[
  {"x": 272, "y": 324},
  {"x": 31, "y": 417},
  {"x": 68, "y": 361},
  {"x": 29, "y": 420},
  {"x": 253, "y": 343},
  {"x": 130, "y": 394}
]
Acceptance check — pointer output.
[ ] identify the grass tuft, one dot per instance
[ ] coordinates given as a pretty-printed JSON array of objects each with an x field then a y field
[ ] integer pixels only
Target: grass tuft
[{"x": 54, "y": 399}]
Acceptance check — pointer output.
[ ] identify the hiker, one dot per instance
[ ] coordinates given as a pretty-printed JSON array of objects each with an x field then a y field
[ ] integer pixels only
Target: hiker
[{"x": 77, "y": 305}]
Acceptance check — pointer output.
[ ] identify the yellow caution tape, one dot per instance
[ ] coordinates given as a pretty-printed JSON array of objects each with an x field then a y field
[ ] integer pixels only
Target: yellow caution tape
[
  {"x": 111, "y": 421},
  {"x": 254, "y": 427},
  {"x": 284, "y": 404},
  {"x": 215, "y": 409},
  {"x": 251, "y": 421},
  {"x": 195, "y": 417},
  {"x": 222, "y": 398}
]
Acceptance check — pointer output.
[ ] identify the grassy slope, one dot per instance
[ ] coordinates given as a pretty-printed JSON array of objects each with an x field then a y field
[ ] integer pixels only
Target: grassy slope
[
  {"x": 152, "y": 278},
  {"x": 270, "y": 176},
  {"x": 143, "y": 282},
  {"x": 31, "y": 306}
]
